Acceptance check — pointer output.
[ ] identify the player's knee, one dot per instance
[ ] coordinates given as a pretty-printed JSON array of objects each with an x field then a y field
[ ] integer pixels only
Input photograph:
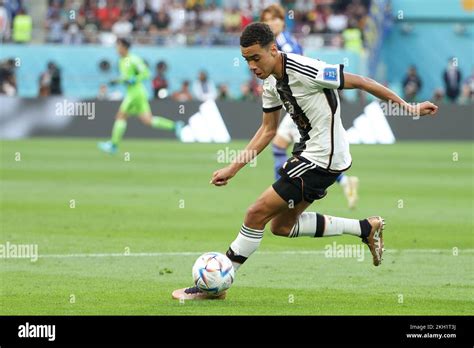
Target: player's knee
[
  {"x": 120, "y": 116},
  {"x": 146, "y": 120},
  {"x": 255, "y": 214}
]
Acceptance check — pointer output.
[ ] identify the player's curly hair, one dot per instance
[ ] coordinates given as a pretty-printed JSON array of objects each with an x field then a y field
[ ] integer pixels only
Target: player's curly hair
[
  {"x": 257, "y": 33},
  {"x": 124, "y": 42}
]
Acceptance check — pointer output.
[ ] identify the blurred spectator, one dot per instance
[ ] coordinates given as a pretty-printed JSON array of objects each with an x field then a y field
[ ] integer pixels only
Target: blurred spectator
[
  {"x": 203, "y": 88},
  {"x": 107, "y": 13},
  {"x": 246, "y": 93},
  {"x": 357, "y": 10},
  {"x": 193, "y": 4},
  {"x": 177, "y": 15},
  {"x": 160, "y": 83},
  {"x": 22, "y": 27},
  {"x": 7, "y": 77},
  {"x": 438, "y": 96},
  {"x": 183, "y": 95},
  {"x": 411, "y": 84},
  {"x": 213, "y": 18},
  {"x": 452, "y": 80},
  {"x": 466, "y": 97},
  {"x": 318, "y": 19},
  {"x": 55, "y": 27},
  {"x": 160, "y": 23},
  {"x": 337, "y": 22},
  {"x": 4, "y": 22},
  {"x": 223, "y": 92},
  {"x": 156, "y": 5},
  {"x": 232, "y": 21},
  {"x": 50, "y": 81},
  {"x": 89, "y": 12},
  {"x": 468, "y": 89},
  {"x": 353, "y": 38},
  {"x": 196, "y": 22},
  {"x": 73, "y": 34},
  {"x": 255, "y": 86},
  {"x": 122, "y": 28},
  {"x": 246, "y": 18},
  {"x": 103, "y": 92}
]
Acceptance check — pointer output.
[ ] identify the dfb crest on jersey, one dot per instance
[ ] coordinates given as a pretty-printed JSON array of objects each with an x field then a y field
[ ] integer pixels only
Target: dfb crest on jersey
[{"x": 330, "y": 74}]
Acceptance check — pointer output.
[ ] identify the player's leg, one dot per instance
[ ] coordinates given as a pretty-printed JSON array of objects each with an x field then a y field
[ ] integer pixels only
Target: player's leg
[
  {"x": 248, "y": 240},
  {"x": 296, "y": 222},
  {"x": 350, "y": 187},
  {"x": 265, "y": 208},
  {"x": 302, "y": 189},
  {"x": 118, "y": 130},
  {"x": 159, "y": 122},
  {"x": 291, "y": 221},
  {"x": 127, "y": 107}
]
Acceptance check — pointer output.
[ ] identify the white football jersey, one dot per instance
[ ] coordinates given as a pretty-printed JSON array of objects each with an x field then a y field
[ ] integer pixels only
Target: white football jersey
[{"x": 308, "y": 93}]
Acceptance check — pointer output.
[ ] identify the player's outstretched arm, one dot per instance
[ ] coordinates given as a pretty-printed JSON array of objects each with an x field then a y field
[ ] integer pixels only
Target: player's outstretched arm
[
  {"x": 382, "y": 92},
  {"x": 259, "y": 142}
]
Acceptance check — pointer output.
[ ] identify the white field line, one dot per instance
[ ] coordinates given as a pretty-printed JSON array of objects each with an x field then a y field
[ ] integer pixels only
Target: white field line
[{"x": 284, "y": 252}]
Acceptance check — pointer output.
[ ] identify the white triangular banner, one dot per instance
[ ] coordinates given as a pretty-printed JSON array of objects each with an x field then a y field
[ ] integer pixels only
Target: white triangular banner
[
  {"x": 206, "y": 126},
  {"x": 371, "y": 127}
]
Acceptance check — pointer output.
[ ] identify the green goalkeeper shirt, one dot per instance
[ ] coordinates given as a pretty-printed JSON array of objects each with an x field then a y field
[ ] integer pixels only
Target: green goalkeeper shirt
[{"x": 133, "y": 69}]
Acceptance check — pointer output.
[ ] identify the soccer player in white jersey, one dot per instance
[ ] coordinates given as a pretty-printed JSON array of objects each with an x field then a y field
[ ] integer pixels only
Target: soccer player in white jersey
[
  {"x": 288, "y": 133},
  {"x": 306, "y": 88}
]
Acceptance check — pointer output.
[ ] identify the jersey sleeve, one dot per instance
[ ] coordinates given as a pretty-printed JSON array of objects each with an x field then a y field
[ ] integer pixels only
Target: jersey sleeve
[
  {"x": 328, "y": 76},
  {"x": 270, "y": 101}
]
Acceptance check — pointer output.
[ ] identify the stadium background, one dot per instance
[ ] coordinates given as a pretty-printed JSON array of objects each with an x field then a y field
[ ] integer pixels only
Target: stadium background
[{"x": 131, "y": 205}]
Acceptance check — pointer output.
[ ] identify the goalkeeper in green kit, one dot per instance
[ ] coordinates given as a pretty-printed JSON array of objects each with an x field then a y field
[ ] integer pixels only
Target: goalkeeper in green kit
[{"x": 132, "y": 72}]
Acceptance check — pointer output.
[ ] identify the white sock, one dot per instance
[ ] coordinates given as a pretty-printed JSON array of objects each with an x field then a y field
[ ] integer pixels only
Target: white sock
[
  {"x": 307, "y": 225},
  {"x": 336, "y": 226},
  {"x": 316, "y": 225},
  {"x": 344, "y": 180},
  {"x": 248, "y": 240}
]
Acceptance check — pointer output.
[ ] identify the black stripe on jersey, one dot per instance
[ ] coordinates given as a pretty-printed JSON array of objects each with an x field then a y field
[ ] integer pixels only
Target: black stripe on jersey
[
  {"x": 301, "y": 70},
  {"x": 275, "y": 108},
  {"x": 295, "y": 111},
  {"x": 332, "y": 101},
  {"x": 303, "y": 66},
  {"x": 341, "y": 76}
]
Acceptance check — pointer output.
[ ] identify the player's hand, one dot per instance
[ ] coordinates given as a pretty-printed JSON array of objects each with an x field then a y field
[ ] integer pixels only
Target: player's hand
[
  {"x": 426, "y": 108},
  {"x": 222, "y": 176},
  {"x": 131, "y": 81}
]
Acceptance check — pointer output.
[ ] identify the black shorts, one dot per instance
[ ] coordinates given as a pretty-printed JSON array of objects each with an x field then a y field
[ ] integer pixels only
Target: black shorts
[{"x": 300, "y": 179}]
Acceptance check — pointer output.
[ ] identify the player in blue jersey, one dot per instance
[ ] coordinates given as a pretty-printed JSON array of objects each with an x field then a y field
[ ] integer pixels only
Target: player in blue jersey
[{"x": 274, "y": 16}]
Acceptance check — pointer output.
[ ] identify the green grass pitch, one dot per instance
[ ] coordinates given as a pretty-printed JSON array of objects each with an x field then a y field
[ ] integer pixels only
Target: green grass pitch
[{"x": 159, "y": 208}]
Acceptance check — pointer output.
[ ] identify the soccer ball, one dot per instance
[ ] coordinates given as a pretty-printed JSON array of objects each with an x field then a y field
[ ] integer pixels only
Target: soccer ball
[{"x": 213, "y": 273}]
